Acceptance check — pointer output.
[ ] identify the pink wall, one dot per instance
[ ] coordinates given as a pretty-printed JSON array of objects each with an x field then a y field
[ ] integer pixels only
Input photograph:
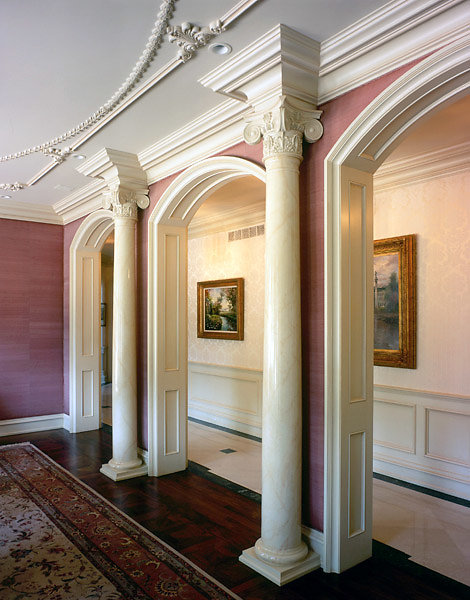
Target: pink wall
[{"x": 31, "y": 319}]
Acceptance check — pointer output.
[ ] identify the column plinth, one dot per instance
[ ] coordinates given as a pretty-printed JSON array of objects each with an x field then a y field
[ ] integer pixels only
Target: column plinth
[
  {"x": 125, "y": 462},
  {"x": 280, "y": 554}
]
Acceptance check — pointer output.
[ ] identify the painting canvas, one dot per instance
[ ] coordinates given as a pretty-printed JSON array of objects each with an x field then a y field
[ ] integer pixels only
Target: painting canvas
[
  {"x": 395, "y": 302},
  {"x": 220, "y": 309}
]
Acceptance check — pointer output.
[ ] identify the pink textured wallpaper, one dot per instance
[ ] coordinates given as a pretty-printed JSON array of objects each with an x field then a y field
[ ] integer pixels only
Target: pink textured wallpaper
[{"x": 31, "y": 319}]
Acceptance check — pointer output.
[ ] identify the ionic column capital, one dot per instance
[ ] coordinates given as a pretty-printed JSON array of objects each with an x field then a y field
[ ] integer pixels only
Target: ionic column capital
[
  {"x": 282, "y": 128},
  {"x": 125, "y": 202}
]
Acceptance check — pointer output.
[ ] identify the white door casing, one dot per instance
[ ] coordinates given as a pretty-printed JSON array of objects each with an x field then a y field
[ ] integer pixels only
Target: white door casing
[
  {"x": 84, "y": 321},
  {"x": 167, "y": 305},
  {"x": 437, "y": 80}
]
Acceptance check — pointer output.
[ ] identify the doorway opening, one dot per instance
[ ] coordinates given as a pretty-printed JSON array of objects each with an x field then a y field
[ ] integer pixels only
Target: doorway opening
[
  {"x": 106, "y": 323},
  {"x": 226, "y": 242},
  {"x": 85, "y": 321},
  {"x": 435, "y": 82},
  {"x": 421, "y": 421}
]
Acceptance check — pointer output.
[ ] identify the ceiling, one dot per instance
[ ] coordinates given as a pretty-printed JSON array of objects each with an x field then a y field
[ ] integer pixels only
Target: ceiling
[{"x": 63, "y": 59}]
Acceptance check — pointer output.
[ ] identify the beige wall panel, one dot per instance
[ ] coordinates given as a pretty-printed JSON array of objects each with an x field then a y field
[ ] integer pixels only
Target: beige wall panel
[
  {"x": 87, "y": 394},
  {"x": 88, "y": 292},
  {"x": 172, "y": 274},
  {"x": 172, "y": 441},
  {"x": 448, "y": 436},
  {"x": 395, "y": 425},
  {"x": 357, "y": 502}
]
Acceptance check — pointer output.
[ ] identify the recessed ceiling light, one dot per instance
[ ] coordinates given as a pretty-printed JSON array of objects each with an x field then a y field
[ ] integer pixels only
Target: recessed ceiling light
[
  {"x": 220, "y": 48},
  {"x": 5, "y": 196},
  {"x": 78, "y": 156}
]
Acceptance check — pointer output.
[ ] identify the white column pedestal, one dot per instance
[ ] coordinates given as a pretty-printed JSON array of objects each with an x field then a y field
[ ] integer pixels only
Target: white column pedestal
[{"x": 280, "y": 574}]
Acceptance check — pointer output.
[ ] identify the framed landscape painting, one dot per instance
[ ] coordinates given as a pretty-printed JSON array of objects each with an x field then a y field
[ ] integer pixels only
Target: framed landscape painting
[
  {"x": 220, "y": 307},
  {"x": 395, "y": 302}
]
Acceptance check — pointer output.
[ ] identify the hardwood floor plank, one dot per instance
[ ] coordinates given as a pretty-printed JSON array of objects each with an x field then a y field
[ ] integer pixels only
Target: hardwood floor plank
[{"x": 211, "y": 525}]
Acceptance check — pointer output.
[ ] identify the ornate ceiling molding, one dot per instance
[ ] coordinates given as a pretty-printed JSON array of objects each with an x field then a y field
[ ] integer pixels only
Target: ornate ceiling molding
[{"x": 189, "y": 38}]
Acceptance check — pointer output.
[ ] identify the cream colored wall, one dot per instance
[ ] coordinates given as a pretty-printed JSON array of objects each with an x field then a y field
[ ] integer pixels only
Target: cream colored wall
[
  {"x": 438, "y": 211},
  {"x": 213, "y": 257},
  {"x": 422, "y": 416}
]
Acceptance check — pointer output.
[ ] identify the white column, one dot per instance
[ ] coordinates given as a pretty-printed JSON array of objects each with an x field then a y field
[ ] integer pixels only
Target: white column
[
  {"x": 125, "y": 462},
  {"x": 280, "y": 554}
]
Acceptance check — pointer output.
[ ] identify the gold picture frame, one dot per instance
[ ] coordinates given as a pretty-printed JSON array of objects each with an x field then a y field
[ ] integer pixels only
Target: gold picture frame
[
  {"x": 395, "y": 302},
  {"x": 220, "y": 309}
]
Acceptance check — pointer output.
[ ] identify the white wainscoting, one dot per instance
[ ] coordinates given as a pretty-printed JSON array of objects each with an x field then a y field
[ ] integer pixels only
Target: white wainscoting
[
  {"x": 423, "y": 438},
  {"x": 31, "y": 424},
  {"x": 226, "y": 396}
]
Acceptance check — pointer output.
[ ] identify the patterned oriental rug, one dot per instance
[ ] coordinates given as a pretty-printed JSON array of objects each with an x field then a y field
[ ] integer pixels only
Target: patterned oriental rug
[{"x": 60, "y": 540}]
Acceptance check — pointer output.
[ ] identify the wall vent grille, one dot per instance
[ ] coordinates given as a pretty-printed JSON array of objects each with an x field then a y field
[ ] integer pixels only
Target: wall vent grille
[{"x": 247, "y": 232}]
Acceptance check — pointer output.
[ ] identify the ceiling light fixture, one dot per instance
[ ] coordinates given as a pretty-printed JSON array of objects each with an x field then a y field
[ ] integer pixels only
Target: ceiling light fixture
[
  {"x": 220, "y": 48},
  {"x": 78, "y": 156},
  {"x": 4, "y": 197}
]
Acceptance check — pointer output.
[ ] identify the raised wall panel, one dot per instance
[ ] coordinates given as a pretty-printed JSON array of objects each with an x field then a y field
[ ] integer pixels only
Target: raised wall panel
[
  {"x": 357, "y": 283},
  {"x": 87, "y": 306},
  {"x": 172, "y": 442},
  {"x": 448, "y": 436},
  {"x": 172, "y": 274},
  {"x": 87, "y": 394},
  {"x": 357, "y": 503},
  {"x": 228, "y": 396},
  {"x": 395, "y": 425}
]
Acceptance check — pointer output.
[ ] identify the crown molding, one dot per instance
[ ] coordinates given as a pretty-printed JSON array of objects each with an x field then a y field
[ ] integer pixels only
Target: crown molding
[
  {"x": 282, "y": 62},
  {"x": 214, "y": 131},
  {"x": 24, "y": 211},
  {"x": 227, "y": 220},
  {"x": 422, "y": 168},
  {"x": 386, "y": 39},
  {"x": 80, "y": 203}
]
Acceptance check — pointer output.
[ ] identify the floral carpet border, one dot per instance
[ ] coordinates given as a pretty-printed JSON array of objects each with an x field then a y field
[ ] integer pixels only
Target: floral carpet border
[{"x": 101, "y": 531}]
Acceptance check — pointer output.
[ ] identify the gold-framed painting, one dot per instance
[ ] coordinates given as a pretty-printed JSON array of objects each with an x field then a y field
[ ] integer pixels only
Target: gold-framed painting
[
  {"x": 220, "y": 309},
  {"x": 395, "y": 302}
]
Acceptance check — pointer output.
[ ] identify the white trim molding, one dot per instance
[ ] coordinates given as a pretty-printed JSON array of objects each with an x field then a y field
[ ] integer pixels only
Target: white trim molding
[
  {"x": 425, "y": 167},
  {"x": 32, "y": 424}
]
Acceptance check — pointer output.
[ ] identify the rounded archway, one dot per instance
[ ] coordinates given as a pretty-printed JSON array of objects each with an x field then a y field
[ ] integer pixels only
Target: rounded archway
[
  {"x": 167, "y": 304},
  {"x": 437, "y": 80},
  {"x": 84, "y": 325}
]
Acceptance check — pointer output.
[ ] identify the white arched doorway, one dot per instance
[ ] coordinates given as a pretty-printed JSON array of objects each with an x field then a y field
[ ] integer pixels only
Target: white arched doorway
[
  {"x": 84, "y": 326},
  {"x": 439, "y": 79},
  {"x": 167, "y": 305}
]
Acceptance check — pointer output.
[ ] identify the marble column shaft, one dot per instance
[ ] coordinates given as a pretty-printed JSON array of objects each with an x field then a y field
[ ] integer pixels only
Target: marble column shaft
[
  {"x": 280, "y": 554},
  {"x": 125, "y": 462}
]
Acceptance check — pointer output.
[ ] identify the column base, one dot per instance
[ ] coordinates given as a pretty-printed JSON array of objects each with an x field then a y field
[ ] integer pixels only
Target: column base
[
  {"x": 120, "y": 474},
  {"x": 280, "y": 574}
]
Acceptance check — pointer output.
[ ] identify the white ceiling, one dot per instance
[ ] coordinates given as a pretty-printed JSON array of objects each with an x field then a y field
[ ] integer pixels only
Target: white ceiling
[{"x": 62, "y": 59}]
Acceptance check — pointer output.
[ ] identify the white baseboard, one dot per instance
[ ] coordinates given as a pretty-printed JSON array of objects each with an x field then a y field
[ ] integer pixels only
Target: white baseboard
[
  {"x": 423, "y": 477},
  {"x": 32, "y": 424},
  {"x": 208, "y": 417},
  {"x": 315, "y": 540}
]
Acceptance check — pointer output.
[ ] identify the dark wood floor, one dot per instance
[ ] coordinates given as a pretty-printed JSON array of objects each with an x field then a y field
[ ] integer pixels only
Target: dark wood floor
[{"x": 211, "y": 525}]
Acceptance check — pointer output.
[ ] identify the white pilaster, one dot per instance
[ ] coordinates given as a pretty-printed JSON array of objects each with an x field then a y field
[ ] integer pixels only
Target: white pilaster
[{"x": 280, "y": 554}]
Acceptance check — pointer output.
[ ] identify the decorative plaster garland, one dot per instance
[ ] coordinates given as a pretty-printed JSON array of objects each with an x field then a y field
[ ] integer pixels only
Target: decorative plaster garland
[
  {"x": 154, "y": 41},
  {"x": 188, "y": 37}
]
